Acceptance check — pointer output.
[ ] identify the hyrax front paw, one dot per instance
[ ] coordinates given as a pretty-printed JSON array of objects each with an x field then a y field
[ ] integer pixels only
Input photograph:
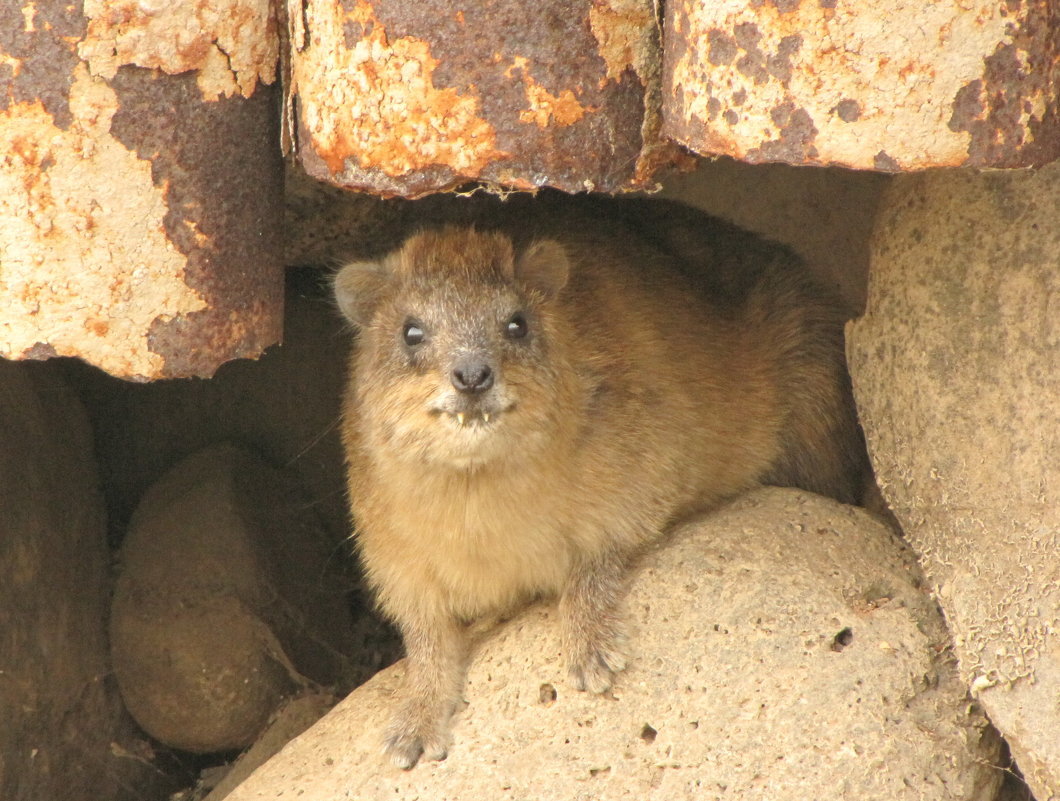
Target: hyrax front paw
[
  {"x": 593, "y": 665},
  {"x": 409, "y": 738}
]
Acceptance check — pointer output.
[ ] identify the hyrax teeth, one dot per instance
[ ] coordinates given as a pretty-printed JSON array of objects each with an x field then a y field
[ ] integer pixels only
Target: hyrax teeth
[
  {"x": 485, "y": 417},
  {"x": 460, "y": 418}
]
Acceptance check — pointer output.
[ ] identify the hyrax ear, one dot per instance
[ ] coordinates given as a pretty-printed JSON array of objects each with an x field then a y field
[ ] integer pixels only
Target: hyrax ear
[
  {"x": 358, "y": 287},
  {"x": 543, "y": 266}
]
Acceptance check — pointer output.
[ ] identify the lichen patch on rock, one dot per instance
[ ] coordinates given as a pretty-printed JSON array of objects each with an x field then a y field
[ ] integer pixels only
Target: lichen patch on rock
[
  {"x": 544, "y": 106},
  {"x": 626, "y": 35}
]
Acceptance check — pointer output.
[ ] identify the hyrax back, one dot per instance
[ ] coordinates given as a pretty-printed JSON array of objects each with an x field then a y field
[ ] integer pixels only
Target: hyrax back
[{"x": 534, "y": 398}]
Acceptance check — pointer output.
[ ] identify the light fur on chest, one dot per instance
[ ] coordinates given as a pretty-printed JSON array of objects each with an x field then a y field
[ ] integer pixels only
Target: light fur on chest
[{"x": 481, "y": 542}]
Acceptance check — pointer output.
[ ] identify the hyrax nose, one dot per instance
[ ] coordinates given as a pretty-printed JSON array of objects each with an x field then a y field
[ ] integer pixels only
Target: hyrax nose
[{"x": 472, "y": 375}]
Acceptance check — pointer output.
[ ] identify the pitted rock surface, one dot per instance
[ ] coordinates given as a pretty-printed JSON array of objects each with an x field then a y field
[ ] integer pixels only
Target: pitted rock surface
[{"x": 782, "y": 648}]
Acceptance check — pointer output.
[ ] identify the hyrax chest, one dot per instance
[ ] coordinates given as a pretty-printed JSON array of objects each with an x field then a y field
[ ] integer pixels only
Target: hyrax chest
[{"x": 483, "y": 541}]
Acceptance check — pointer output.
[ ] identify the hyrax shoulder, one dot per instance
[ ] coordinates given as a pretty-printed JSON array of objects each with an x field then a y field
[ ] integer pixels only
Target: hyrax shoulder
[{"x": 535, "y": 396}]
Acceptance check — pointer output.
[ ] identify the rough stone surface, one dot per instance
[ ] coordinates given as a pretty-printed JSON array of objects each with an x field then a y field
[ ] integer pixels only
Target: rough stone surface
[
  {"x": 956, "y": 367},
  {"x": 293, "y": 718},
  {"x": 894, "y": 85},
  {"x": 232, "y": 46},
  {"x": 64, "y": 733},
  {"x": 406, "y": 99},
  {"x": 220, "y": 609},
  {"x": 782, "y": 650},
  {"x": 139, "y": 210},
  {"x": 328, "y": 226}
]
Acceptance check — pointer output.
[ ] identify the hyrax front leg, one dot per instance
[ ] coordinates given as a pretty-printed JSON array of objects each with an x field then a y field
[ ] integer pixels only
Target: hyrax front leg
[
  {"x": 435, "y": 654},
  {"x": 594, "y": 636}
]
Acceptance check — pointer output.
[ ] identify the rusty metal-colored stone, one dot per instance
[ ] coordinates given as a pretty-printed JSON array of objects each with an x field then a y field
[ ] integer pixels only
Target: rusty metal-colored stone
[
  {"x": 890, "y": 86},
  {"x": 406, "y": 98},
  {"x": 139, "y": 211},
  {"x": 232, "y": 46}
]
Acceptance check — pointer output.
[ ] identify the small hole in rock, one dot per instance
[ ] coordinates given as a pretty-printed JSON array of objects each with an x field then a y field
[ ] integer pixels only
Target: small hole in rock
[
  {"x": 842, "y": 639},
  {"x": 647, "y": 734},
  {"x": 547, "y": 694}
]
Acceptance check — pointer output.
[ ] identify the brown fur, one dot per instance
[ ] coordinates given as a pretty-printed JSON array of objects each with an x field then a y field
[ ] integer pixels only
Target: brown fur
[{"x": 672, "y": 362}]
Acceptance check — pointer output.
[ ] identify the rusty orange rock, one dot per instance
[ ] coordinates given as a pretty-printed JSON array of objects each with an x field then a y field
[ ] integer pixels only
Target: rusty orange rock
[
  {"x": 407, "y": 99},
  {"x": 128, "y": 234},
  {"x": 889, "y": 86}
]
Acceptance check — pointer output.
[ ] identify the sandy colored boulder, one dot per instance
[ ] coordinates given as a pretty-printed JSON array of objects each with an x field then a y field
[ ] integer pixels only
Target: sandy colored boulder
[
  {"x": 782, "y": 650},
  {"x": 219, "y": 611},
  {"x": 956, "y": 367}
]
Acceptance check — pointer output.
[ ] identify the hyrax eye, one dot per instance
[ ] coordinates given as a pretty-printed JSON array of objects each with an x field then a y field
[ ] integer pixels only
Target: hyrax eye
[
  {"x": 412, "y": 333},
  {"x": 516, "y": 327}
]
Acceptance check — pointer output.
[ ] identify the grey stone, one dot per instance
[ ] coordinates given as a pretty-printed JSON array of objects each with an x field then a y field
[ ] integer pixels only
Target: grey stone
[{"x": 824, "y": 214}]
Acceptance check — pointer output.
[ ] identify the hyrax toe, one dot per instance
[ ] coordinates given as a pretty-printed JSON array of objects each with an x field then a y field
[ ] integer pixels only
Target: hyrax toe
[
  {"x": 595, "y": 670},
  {"x": 403, "y": 753},
  {"x": 407, "y": 743}
]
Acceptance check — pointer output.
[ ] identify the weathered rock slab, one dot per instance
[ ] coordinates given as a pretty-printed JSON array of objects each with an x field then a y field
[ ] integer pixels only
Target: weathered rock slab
[
  {"x": 406, "y": 99},
  {"x": 781, "y": 649},
  {"x": 140, "y": 184},
  {"x": 956, "y": 368}
]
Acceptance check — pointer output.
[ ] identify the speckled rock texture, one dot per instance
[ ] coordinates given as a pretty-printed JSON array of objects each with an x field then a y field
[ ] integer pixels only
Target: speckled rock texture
[
  {"x": 140, "y": 183},
  {"x": 781, "y": 650},
  {"x": 894, "y": 85},
  {"x": 406, "y": 99},
  {"x": 956, "y": 367}
]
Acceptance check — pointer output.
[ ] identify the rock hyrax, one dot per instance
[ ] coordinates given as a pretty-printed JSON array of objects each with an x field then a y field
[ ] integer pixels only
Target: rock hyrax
[{"x": 536, "y": 396}]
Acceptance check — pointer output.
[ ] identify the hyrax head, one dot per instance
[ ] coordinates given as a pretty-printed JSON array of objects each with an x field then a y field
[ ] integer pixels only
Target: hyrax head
[{"x": 457, "y": 352}]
